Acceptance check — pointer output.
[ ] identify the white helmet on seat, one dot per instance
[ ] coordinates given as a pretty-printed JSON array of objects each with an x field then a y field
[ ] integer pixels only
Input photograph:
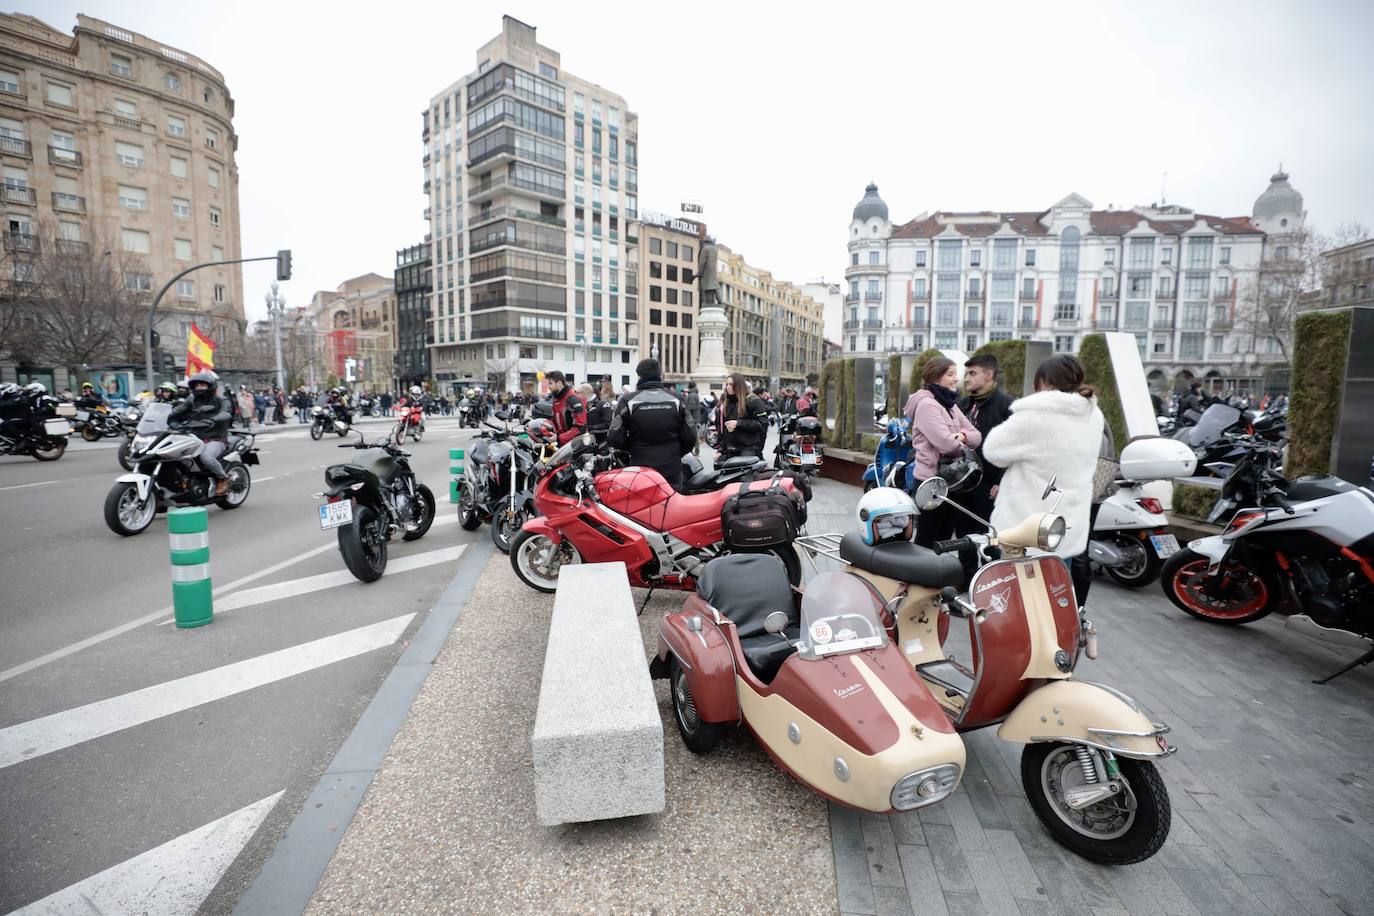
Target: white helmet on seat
[{"x": 886, "y": 514}]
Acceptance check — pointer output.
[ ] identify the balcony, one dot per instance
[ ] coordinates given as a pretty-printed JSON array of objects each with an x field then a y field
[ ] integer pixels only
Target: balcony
[
  {"x": 20, "y": 241},
  {"x": 1104, "y": 324},
  {"x": 1222, "y": 324},
  {"x": 1109, "y": 295},
  {"x": 18, "y": 194},
  {"x": 491, "y": 214},
  {"x": 1027, "y": 295},
  {"x": 973, "y": 322},
  {"x": 73, "y": 248},
  {"x": 871, "y": 324},
  {"x": 427, "y": 214},
  {"x": 71, "y": 203},
  {"x": 921, "y": 296},
  {"x": 1167, "y": 295},
  {"x": 1162, "y": 324},
  {"x": 13, "y": 146},
  {"x": 128, "y": 123},
  {"x": 854, "y": 270},
  {"x": 487, "y": 189},
  {"x": 64, "y": 157},
  {"x": 871, "y": 296},
  {"x": 974, "y": 295},
  {"x": 1223, "y": 297},
  {"x": 851, "y": 297}
]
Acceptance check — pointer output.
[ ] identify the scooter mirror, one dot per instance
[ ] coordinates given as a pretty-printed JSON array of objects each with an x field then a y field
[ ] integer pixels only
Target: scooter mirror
[
  {"x": 775, "y": 622},
  {"x": 1050, "y": 487},
  {"x": 931, "y": 493}
]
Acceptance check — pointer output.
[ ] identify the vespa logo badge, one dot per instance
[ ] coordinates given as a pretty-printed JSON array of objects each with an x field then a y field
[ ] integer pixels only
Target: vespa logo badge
[
  {"x": 843, "y": 692},
  {"x": 999, "y": 602},
  {"x": 995, "y": 582}
]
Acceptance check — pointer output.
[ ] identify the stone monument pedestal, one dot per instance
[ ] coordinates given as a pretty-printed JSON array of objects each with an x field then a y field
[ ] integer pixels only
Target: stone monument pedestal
[{"x": 711, "y": 369}]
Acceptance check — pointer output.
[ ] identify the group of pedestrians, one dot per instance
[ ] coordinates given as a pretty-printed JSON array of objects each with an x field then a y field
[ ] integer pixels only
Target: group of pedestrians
[{"x": 1056, "y": 432}]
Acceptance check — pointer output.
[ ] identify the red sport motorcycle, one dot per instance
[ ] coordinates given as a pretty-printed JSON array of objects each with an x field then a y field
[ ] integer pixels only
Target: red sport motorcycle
[
  {"x": 593, "y": 512},
  {"x": 410, "y": 422}
]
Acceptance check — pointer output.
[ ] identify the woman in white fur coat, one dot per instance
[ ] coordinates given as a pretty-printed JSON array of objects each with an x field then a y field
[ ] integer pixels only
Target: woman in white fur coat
[{"x": 1055, "y": 432}]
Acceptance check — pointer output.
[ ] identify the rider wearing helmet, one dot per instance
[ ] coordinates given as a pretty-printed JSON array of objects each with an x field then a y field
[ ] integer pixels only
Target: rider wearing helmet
[
  {"x": 90, "y": 397},
  {"x": 886, "y": 514},
  {"x": 206, "y": 413},
  {"x": 166, "y": 392}
]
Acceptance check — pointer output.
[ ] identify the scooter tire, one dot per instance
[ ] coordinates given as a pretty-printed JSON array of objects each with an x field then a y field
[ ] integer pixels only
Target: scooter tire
[
  {"x": 424, "y": 493},
  {"x": 700, "y": 737},
  {"x": 1147, "y": 575},
  {"x": 364, "y": 567},
  {"x": 316, "y": 432},
  {"x": 1142, "y": 839}
]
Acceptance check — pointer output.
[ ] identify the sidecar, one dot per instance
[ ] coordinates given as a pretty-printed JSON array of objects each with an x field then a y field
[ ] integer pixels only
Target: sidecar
[{"x": 817, "y": 680}]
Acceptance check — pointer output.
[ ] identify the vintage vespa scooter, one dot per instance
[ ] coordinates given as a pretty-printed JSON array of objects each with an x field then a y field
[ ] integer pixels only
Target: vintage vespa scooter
[{"x": 1087, "y": 766}]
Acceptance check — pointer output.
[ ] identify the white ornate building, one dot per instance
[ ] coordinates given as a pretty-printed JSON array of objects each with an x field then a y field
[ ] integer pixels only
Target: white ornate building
[{"x": 1175, "y": 278}]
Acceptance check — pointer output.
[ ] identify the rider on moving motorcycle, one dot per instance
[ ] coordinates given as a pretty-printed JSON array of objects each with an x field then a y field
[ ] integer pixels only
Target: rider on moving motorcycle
[{"x": 206, "y": 413}]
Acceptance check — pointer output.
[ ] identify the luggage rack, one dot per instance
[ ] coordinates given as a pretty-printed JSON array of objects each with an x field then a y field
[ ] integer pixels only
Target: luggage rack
[{"x": 823, "y": 545}]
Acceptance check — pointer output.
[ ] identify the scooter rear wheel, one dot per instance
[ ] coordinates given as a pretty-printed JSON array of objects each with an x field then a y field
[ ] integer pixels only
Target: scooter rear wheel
[
  {"x": 1121, "y": 829},
  {"x": 1143, "y": 569}
]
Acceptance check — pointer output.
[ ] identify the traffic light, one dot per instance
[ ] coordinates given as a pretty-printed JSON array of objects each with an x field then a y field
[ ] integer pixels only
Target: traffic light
[{"x": 284, "y": 264}]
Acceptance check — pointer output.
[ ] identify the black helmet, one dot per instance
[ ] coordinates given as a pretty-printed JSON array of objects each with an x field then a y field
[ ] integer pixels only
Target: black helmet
[{"x": 206, "y": 376}]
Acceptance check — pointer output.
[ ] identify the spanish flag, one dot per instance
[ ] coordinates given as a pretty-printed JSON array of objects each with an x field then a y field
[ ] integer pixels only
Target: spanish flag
[{"x": 200, "y": 351}]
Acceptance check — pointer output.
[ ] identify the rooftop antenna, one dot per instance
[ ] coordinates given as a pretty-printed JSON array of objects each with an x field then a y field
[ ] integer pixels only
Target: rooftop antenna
[{"x": 1163, "y": 196}]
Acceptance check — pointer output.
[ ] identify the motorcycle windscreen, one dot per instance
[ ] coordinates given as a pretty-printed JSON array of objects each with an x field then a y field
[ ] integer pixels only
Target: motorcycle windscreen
[
  {"x": 1214, "y": 421},
  {"x": 1028, "y": 633},
  {"x": 839, "y": 615},
  {"x": 154, "y": 418}
]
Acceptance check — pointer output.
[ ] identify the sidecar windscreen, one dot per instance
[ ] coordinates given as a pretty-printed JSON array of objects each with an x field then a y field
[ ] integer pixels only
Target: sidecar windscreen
[{"x": 839, "y": 614}]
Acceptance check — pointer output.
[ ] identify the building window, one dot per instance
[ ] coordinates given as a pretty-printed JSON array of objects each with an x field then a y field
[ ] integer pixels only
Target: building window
[
  {"x": 872, "y": 342},
  {"x": 1281, "y": 253},
  {"x": 180, "y": 167},
  {"x": 655, "y": 293},
  {"x": 655, "y": 246},
  {"x": 547, "y": 71},
  {"x": 971, "y": 342},
  {"x": 126, "y": 109},
  {"x": 135, "y": 241},
  {"x": 918, "y": 288},
  {"x": 141, "y": 283},
  {"x": 121, "y": 65},
  {"x": 920, "y": 258},
  {"x": 171, "y": 82},
  {"x": 183, "y": 249},
  {"x": 61, "y": 94},
  {"x": 1110, "y": 256},
  {"x": 214, "y": 216},
  {"x": 176, "y": 126},
  {"x": 133, "y": 198},
  {"x": 213, "y": 176},
  {"x": 1030, "y": 257},
  {"x": 208, "y": 96},
  {"x": 181, "y": 208},
  {"x": 1063, "y": 343},
  {"x": 854, "y": 259},
  {"x": 129, "y": 154},
  {"x": 216, "y": 253},
  {"x": 1226, "y": 254},
  {"x": 873, "y": 257},
  {"x": 1028, "y": 287},
  {"x": 975, "y": 258},
  {"x": 211, "y": 138},
  {"x": 9, "y": 82}
]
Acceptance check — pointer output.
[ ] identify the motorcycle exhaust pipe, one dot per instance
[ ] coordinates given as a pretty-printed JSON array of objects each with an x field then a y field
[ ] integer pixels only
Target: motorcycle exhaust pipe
[{"x": 1104, "y": 554}]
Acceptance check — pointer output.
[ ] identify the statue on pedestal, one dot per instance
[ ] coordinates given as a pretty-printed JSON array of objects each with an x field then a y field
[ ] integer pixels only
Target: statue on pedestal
[{"x": 706, "y": 273}]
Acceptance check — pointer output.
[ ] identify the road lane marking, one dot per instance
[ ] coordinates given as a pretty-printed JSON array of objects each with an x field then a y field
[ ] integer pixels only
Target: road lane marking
[
  {"x": 173, "y": 878},
  {"x": 292, "y": 588},
  {"x": 112, "y": 632},
  {"x": 263, "y": 479},
  {"x": 20, "y": 486},
  {"x": 38, "y": 737}
]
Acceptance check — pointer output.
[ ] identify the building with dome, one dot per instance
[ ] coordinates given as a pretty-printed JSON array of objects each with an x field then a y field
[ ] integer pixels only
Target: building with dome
[{"x": 1175, "y": 278}]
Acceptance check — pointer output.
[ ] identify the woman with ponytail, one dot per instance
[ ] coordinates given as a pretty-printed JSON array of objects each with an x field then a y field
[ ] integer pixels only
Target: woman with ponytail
[{"x": 1055, "y": 432}]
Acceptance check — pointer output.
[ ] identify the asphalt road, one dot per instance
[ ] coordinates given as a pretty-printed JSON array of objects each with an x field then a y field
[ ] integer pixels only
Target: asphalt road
[{"x": 148, "y": 733}]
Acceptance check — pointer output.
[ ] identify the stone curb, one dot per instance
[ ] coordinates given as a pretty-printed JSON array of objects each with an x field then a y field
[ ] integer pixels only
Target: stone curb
[{"x": 290, "y": 875}]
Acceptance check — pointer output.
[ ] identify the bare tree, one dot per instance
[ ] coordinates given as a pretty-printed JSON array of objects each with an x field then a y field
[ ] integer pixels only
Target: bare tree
[
  {"x": 1287, "y": 276},
  {"x": 498, "y": 369},
  {"x": 72, "y": 303}
]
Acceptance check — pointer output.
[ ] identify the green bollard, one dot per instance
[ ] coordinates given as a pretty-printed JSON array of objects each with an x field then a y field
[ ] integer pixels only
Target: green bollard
[
  {"x": 455, "y": 468},
  {"x": 189, "y": 531}
]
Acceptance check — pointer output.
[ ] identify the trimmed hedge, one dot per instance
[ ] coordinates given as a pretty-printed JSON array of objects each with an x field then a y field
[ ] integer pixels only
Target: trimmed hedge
[
  {"x": 894, "y": 383},
  {"x": 848, "y": 407},
  {"x": 830, "y": 369},
  {"x": 1011, "y": 362},
  {"x": 841, "y": 371},
  {"x": 1320, "y": 348},
  {"x": 868, "y": 442},
  {"x": 1097, "y": 365},
  {"x": 1194, "y": 502}
]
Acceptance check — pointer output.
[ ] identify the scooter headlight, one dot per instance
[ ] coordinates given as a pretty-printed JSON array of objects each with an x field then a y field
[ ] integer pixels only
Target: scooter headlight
[
  {"x": 1051, "y": 532},
  {"x": 925, "y": 787}
]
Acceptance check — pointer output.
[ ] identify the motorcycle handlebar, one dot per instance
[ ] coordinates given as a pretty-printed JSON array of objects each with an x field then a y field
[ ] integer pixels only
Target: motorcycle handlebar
[{"x": 953, "y": 545}]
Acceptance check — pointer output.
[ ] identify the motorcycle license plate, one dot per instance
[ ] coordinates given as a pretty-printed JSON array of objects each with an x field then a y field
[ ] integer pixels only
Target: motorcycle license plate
[
  {"x": 808, "y": 458},
  {"x": 1166, "y": 545},
  {"x": 336, "y": 515}
]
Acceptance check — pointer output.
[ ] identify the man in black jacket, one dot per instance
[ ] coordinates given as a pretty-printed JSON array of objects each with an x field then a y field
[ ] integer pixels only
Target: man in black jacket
[
  {"x": 206, "y": 413},
  {"x": 986, "y": 406},
  {"x": 652, "y": 424}
]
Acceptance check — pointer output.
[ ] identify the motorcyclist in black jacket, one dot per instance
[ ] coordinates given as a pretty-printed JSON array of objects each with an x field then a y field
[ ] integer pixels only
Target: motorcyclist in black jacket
[
  {"x": 206, "y": 413},
  {"x": 652, "y": 424}
]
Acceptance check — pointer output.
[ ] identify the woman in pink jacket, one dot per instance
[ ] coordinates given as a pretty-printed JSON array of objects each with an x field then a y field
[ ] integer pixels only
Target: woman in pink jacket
[{"x": 938, "y": 428}]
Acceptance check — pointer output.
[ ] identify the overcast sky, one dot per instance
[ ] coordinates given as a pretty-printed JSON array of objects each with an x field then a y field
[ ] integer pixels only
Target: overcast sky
[{"x": 775, "y": 118}]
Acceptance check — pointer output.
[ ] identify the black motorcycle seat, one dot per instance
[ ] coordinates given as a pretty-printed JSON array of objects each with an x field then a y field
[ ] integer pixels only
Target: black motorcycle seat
[
  {"x": 903, "y": 561},
  {"x": 739, "y": 461},
  {"x": 699, "y": 481},
  {"x": 1316, "y": 486},
  {"x": 747, "y": 588},
  {"x": 766, "y": 652}
]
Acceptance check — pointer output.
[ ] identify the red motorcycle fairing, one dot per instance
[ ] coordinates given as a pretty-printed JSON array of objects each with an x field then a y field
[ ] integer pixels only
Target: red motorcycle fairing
[
  {"x": 1030, "y": 614},
  {"x": 643, "y": 495},
  {"x": 706, "y": 655}
]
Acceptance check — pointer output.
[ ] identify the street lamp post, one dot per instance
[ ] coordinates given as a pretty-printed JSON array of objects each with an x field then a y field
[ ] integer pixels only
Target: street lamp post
[{"x": 276, "y": 308}]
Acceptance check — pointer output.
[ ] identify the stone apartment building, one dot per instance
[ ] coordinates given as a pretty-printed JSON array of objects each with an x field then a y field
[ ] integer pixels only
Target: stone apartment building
[
  {"x": 110, "y": 137},
  {"x": 776, "y": 334},
  {"x": 357, "y": 326},
  {"x": 669, "y": 248}
]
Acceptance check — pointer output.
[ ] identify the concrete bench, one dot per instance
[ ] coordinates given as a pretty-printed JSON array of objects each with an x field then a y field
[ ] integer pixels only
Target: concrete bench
[{"x": 598, "y": 738}]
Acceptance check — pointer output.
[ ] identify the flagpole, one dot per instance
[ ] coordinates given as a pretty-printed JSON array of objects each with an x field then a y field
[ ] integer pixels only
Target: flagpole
[{"x": 152, "y": 309}]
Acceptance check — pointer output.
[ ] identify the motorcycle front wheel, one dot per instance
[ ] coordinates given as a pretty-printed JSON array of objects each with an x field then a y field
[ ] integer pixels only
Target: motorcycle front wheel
[
  {"x": 537, "y": 560},
  {"x": 123, "y": 455},
  {"x": 1142, "y": 565},
  {"x": 468, "y": 516},
  {"x": 124, "y": 514},
  {"x": 424, "y": 499},
  {"x": 504, "y": 526},
  {"x": 55, "y": 448},
  {"x": 1242, "y": 596},
  {"x": 1121, "y": 829},
  {"x": 363, "y": 545},
  {"x": 317, "y": 431}
]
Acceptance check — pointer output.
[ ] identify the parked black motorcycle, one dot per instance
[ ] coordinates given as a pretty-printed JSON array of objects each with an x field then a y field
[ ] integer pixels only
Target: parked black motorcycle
[
  {"x": 1252, "y": 477},
  {"x": 30, "y": 424},
  {"x": 497, "y": 486},
  {"x": 369, "y": 500}
]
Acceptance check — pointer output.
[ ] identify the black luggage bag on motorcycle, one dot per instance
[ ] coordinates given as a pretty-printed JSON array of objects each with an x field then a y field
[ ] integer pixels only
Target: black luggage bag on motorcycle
[{"x": 761, "y": 518}]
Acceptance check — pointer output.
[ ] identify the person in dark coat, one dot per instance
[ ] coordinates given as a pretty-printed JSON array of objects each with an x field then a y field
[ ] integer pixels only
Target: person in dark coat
[
  {"x": 652, "y": 424},
  {"x": 598, "y": 413},
  {"x": 741, "y": 418},
  {"x": 987, "y": 406}
]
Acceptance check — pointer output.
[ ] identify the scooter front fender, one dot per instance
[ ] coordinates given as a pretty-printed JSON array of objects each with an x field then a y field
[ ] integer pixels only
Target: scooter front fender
[
  {"x": 142, "y": 483},
  {"x": 1081, "y": 712}
]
